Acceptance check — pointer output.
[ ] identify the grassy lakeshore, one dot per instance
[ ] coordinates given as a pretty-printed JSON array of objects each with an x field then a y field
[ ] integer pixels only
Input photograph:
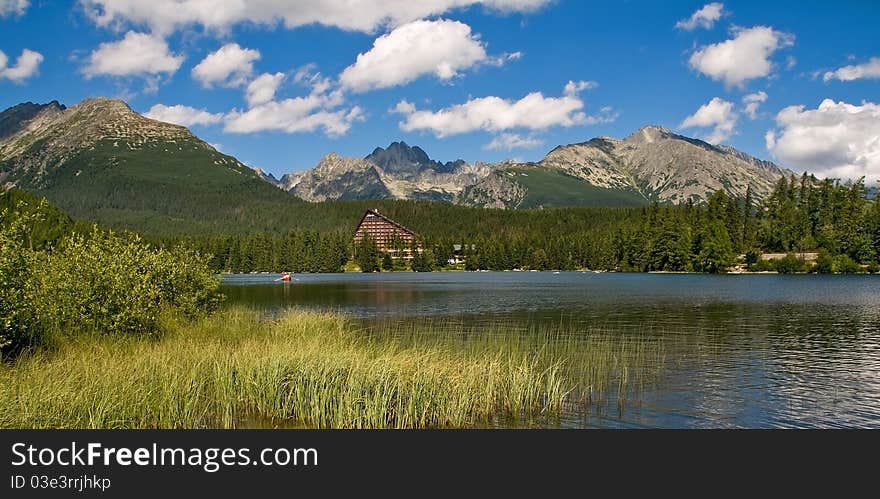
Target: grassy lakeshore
[{"x": 319, "y": 370}]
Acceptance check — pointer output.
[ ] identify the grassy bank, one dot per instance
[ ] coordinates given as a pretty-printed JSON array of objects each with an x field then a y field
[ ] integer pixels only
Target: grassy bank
[{"x": 307, "y": 369}]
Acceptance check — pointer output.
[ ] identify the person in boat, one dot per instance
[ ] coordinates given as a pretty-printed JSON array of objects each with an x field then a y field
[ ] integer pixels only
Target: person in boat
[{"x": 285, "y": 277}]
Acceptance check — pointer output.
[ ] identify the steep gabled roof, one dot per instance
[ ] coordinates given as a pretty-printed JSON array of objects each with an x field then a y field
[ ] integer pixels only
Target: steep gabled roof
[{"x": 383, "y": 217}]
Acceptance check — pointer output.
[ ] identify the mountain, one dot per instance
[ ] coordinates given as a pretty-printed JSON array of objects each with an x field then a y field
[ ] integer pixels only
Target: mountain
[
  {"x": 396, "y": 172},
  {"x": 102, "y": 161},
  {"x": 652, "y": 164}
]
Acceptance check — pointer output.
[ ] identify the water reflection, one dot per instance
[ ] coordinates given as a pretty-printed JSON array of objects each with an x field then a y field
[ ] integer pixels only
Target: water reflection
[{"x": 741, "y": 351}]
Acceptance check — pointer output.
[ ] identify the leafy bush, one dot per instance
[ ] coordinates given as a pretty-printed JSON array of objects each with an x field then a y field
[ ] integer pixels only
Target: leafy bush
[
  {"x": 824, "y": 262},
  {"x": 117, "y": 284},
  {"x": 101, "y": 282},
  {"x": 790, "y": 264},
  {"x": 17, "y": 326},
  {"x": 846, "y": 265},
  {"x": 762, "y": 266}
]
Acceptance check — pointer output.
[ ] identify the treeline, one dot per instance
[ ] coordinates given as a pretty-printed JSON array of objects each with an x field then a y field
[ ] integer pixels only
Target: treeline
[
  {"x": 836, "y": 219},
  {"x": 802, "y": 214}
]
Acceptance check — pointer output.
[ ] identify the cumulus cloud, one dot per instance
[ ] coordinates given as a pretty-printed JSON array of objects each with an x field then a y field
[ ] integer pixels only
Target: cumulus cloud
[
  {"x": 299, "y": 114},
  {"x": 323, "y": 108},
  {"x": 837, "y": 139},
  {"x": 229, "y": 66},
  {"x": 494, "y": 114},
  {"x": 705, "y": 17},
  {"x": 744, "y": 57},
  {"x": 135, "y": 54},
  {"x": 183, "y": 115},
  {"x": 717, "y": 114},
  {"x": 870, "y": 69},
  {"x": 442, "y": 48},
  {"x": 510, "y": 141},
  {"x": 27, "y": 65},
  {"x": 752, "y": 102},
  {"x": 13, "y": 7},
  {"x": 164, "y": 16},
  {"x": 263, "y": 88}
]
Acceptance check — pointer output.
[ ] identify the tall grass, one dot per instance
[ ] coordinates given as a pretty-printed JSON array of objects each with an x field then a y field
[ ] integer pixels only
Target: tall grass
[{"x": 318, "y": 370}]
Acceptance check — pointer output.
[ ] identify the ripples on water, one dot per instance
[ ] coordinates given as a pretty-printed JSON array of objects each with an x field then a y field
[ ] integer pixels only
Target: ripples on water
[{"x": 741, "y": 351}]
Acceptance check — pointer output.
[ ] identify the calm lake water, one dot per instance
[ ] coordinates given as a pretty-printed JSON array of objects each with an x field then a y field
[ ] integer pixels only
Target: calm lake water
[{"x": 753, "y": 351}]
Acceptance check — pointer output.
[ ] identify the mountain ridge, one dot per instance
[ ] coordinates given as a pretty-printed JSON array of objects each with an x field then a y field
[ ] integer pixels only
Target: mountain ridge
[
  {"x": 92, "y": 155},
  {"x": 651, "y": 164}
]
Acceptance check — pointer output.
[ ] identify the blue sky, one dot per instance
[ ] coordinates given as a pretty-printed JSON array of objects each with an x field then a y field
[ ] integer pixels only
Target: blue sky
[{"x": 488, "y": 80}]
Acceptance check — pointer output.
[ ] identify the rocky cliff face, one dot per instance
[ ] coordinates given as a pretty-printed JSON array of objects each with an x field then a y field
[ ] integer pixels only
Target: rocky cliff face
[
  {"x": 396, "y": 172},
  {"x": 654, "y": 163},
  {"x": 337, "y": 178},
  {"x": 665, "y": 167}
]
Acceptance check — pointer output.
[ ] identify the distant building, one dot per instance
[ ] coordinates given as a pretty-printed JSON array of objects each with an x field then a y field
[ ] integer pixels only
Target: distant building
[{"x": 389, "y": 236}]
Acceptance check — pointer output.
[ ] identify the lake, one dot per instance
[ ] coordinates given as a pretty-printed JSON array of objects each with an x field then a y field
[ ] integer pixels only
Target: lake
[{"x": 753, "y": 351}]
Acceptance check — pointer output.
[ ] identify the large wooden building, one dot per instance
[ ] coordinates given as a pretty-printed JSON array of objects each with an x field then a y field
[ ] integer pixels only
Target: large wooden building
[{"x": 389, "y": 236}]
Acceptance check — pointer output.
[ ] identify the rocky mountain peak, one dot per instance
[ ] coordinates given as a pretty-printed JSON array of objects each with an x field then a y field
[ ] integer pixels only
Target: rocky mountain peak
[
  {"x": 649, "y": 134},
  {"x": 12, "y": 120},
  {"x": 400, "y": 158}
]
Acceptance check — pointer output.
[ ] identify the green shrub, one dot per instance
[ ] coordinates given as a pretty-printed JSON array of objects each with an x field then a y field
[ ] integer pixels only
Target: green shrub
[
  {"x": 790, "y": 264},
  {"x": 825, "y": 262},
  {"x": 762, "y": 266},
  {"x": 17, "y": 328},
  {"x": 846, "y": 265},
  {"x": 117, "y": 284}
]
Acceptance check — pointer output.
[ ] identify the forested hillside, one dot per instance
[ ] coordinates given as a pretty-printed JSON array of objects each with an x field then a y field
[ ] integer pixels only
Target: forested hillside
[{"x": 801, "y": 215}]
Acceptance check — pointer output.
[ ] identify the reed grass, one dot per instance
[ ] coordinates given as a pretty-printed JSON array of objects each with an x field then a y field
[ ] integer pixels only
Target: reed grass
[{"x": 320, "y": 370}]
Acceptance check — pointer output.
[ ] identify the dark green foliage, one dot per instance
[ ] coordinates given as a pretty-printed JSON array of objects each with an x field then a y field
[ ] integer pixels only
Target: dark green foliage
[
  {"x": 845, "y": 265},
  {"x": 715, "y": 248},
  {"x": 790, "y": 264},
  {"x": 801, "y": 215},
  {"x": 825, "y": 263},
  {"x": 366, "y": 255},
  {"x": 422, "y": 261},
  {"x": 387, "y": 262}
]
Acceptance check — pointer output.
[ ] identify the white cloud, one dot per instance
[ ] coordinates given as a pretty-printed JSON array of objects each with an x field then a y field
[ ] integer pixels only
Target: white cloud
[
  {"x": 135, "y": 54},
  {"x": 13, "y": 7},
  {"x": 229, "y": 66},
  {"x": 870, "y": 69},
  {"x": 705, "y": 17},
  {"x": 164, "y": 16},
  {"x": 300, "y": 114},
  {"x": 576, "y": 87},
  {"x": 743, "y": 57},
  {"x": 320, "y": 109},
  {"x": 27, "y": 65},
  {"x": 494, "y": 114},
  {"x": 753, "y": 102},
  {"x": 442, "y": 48},
  {"x": 510, "y": 141},
  {"x": 717, "y": 114},
  {"x": 183, "y": 115},
  {"x": 836, "y": 139},
  {"x": 263, "y": 88}
]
